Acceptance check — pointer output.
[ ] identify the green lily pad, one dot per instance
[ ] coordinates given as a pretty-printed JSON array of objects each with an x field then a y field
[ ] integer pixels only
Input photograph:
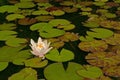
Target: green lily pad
[
  {"x": 45, "y": 5},
  {"x": 13, "y": 17},
  {"x": 5, "y": 35},
  {"x": 91, "y": 24},
  {"x": 3, "y": 65},
  {"x": 15, "y": 42},
  {"x": 36, "y": 62},
  {"x": 50, "y": 33},
  {"x": 90, "y": 72},
  {"x": 64, "y": 55},
  {"x": 67, "y": 3},
  {"x": 57, "y": 13},
  {"x": 56, "y": 71},
  {"x": 8, "y": 8},
  {"x": 41, "y": 26},
  {"x": 56, "y": 22},
  {"x": 109, "y": 15},
  {"x": 7, "y": 54},
  {"x": 99, "y": 3},
  {"x": 46, "y": 30},
  {"x": 86, "y": 38},
  {"x": 24, "y": 74},
  {"x": 40, "y": 12},
  {"x": 100, "y": 33},
  {"x": 7, "y": 26},
  {"x": 25, "y": 0},
  {"x": 25, "y": 4},
  {"x": 67, "y": 27}
]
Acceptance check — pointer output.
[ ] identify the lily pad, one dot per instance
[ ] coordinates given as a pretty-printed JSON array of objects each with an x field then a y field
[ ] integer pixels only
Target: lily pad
[
  {"x": 90, "y": 72},
  {"x": 7, "y": 54},
  {"x": 86, "y": 38},
  {"x": 40, "y": 12},
  {"x": 50, "y": 33},
  {"x": 24, "y": 74},
  {"x": 3, "y": 65},
  {"x": 57, "y": 13},
  {"x": 69, "y": 9},
  {"x": 27, "y": 4},
  {"x": 16, "y": 42},
  {"x": 13, "y": 17},
  {"x": 67, "y": 27},
  {"x": 44, "y": 18},
  {"x": 93, "y": 46},
  {"x": 7, "y": 26},
  {"x": 5, "y": 35},
  {"x": 64, "y": 55},
  {"x": 56, "y": 71},
  {"x": 8, "y": 8},
  {"x": 67, "y": 3},
  {"x": 100, "y": 33},
  {"x": 57, "y": 22},
  {"x": 36, "y": 62}
]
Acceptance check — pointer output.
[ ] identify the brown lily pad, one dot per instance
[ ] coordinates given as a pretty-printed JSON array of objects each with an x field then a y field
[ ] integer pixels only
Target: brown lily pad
[
  {"x": 114, "y": 40},
  {"x": 93, "y": 46},
  {"x": 102, "y": 59},
  {"x": 113, "y": 71},
  {"x": 27, "y": 21}
]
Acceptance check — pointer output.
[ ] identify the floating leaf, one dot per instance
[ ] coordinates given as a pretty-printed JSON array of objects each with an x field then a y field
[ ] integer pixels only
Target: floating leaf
[
  {"x": 69, "y": 9},
  {"x": 25, "y": 0},
  {"x": 90, "y": 72},
  {"x": 24, "y": 74},
  {"x": 8, "y": 8},
  {"x": 46, "y": 30},
  {"x": 64, "y": 55},
  {"x": 40, "y": 12},
  {"x": 56, "y": 71},
  {"x": 41, "y": 26},
  {"x": 50, "y": 33},
  {"x": 91, "y": 24},
  {"x": 93, "y": 46},
  {"x": 44, "y": 18},
  {"x": 56, "y": 22},
  {"x": 103, "y": 59},
  {"x": 100, "y": 33},
  {"x": 5, "y": 35},
  {"x": 7, "y": 26},
  {"x": 57, "y": 13},
  {"x": 36, "y": 62},
  {"x": 86, "y": 38},
  {"x": 67, "y": 27},
  {"x": 27, "y": 21},
  {"x": 3, "y": 65},
  {"x": 67, "y": 3},
  {"x": 25, "y": 4},
  {"x": 13, "y": 17},
  {"x": 7, "y": 54},
  {"x": 16, "y": 42},
  {"x": 109, "y": 15},
  {"x": 44, "y": 4}
]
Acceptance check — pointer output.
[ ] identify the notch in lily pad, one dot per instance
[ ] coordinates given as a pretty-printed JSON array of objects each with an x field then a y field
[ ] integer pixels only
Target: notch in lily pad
[{"x": 63, "y": 56}]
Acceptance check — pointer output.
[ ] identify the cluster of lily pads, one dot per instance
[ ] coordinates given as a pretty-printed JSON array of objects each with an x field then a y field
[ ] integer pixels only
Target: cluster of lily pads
[{"x": 26, "y": 19}]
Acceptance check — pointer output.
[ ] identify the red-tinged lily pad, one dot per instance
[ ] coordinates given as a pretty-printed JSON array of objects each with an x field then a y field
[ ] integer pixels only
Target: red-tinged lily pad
[
  {"x": 36, "y": 62},
  {"x": 63, "y": 56},
  {"x": 27, "y": 21},
  {"x": 93, "y": 46},
  {"x": 90, "y": 72},
  {"x": 24, "y": 74},
  {"x": 56, "y": 71}
]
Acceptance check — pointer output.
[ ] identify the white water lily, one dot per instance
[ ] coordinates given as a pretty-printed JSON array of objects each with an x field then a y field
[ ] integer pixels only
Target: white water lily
[{"x": 40, "y": 48}]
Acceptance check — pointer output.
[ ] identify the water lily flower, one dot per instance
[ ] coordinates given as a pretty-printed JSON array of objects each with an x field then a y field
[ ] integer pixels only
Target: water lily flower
[{"x": 40, "y": 48}]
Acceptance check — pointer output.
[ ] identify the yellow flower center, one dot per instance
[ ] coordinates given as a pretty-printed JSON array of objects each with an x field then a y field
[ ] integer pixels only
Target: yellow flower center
[{"x": 40, "y": 45}]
